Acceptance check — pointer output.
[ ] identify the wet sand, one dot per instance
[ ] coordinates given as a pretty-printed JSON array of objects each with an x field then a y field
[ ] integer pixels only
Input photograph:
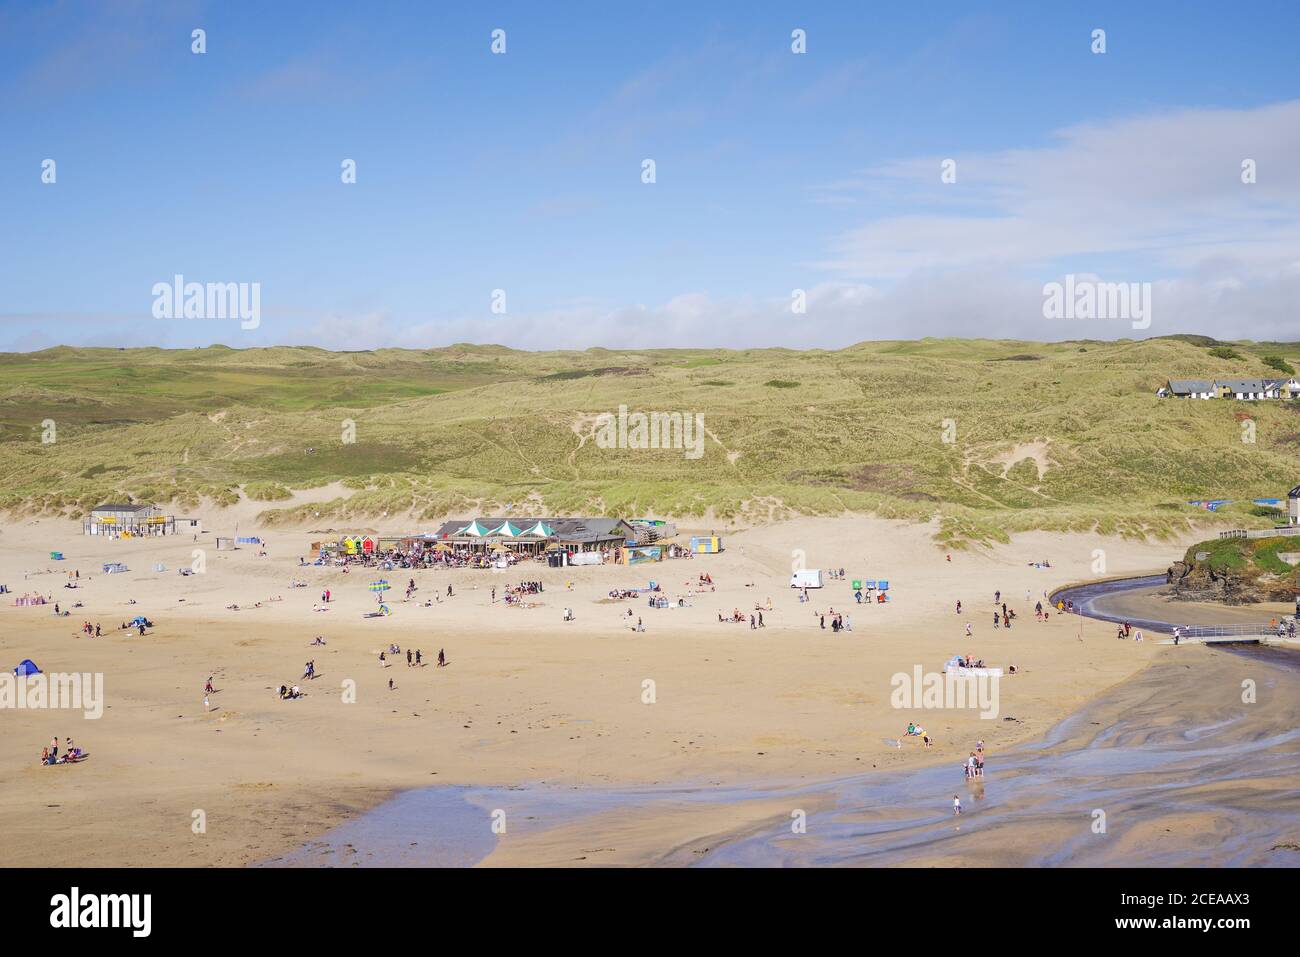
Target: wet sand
[{"x": 1170, "y": 768}]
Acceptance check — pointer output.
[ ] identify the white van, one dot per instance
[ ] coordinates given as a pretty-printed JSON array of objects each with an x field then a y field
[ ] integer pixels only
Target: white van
[{"x": 807, "y": 578}]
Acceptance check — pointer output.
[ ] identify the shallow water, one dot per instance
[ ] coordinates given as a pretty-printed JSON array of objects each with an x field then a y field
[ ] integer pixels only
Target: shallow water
[
  {"x": 1090, "y": 600},
  {"x": 1183, "y": 771}
]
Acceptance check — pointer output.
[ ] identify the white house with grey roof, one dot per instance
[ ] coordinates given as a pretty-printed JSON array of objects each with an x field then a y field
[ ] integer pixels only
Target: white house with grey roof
[{"x": 1247, "y": 390}]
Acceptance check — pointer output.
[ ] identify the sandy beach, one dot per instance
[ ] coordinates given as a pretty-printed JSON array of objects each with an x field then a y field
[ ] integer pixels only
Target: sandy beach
[{"x": 527, "y": 698}]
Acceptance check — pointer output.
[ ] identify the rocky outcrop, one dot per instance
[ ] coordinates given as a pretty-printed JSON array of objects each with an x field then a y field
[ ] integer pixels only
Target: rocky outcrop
[{"x": 1203, "y": 575}]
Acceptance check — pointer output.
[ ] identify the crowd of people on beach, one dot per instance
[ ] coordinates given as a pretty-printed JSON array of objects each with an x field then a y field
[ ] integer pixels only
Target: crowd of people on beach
[
  {"x": 839, "y": 620},
  {"x": 71, "y": 754},
  {"x": 517, "y": 594}
]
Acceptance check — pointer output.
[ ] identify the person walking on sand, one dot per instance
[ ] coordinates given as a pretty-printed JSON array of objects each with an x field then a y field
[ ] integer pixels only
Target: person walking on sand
[
  {"x": 409, "y": 656},
  {"x": 205, "y": 704},
  {"x": 956, "y": 805},
  {"x": 959, "y": 606},
  {"x": 968, "y": 630},
  {"x": 417, "y": 657},
  {"x": 442, "y": 659}
]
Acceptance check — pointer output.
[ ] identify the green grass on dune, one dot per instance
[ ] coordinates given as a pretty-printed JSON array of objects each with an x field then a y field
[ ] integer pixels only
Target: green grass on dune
[{"x": 818, "y": 432}]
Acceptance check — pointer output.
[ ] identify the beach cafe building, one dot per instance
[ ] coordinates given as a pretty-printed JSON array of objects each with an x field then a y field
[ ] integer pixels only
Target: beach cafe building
[
  {"x": 128, "y": 521},
  {"x": 532, "y": 536}
]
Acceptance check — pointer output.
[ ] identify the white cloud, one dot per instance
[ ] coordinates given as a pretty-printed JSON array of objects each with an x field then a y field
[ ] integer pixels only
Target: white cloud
[{"x": 1163, "y": 192}]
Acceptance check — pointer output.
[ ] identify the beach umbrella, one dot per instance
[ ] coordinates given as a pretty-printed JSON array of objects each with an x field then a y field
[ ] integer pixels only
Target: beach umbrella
[{"x": 380, "y": 585}]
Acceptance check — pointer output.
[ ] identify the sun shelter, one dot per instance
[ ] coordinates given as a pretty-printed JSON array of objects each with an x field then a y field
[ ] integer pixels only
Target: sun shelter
[
  {"x": 28, "y": 667},
  {"x": 57, "y": 556},
  {"x": 114, "y": 568}
]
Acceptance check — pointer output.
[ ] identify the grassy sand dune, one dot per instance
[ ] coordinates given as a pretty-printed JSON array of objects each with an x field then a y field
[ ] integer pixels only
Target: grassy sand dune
[{"x": 989, "y": 436}]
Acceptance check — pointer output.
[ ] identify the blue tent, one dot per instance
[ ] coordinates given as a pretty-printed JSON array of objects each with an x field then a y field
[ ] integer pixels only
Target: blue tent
[{"x": 28, "y": 667}]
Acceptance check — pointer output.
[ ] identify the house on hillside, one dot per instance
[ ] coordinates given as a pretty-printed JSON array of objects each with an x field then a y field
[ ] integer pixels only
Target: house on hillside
[
  {"x": 1187, "y": 389},
  {"x": 1247, "y": 390}
]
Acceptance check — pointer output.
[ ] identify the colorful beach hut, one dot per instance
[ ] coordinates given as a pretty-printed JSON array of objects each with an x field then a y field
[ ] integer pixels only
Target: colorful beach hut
[{"x": 706, "y": 544}]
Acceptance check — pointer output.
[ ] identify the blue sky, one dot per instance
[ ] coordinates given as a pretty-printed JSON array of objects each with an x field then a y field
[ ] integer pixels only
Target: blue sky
[{"x": 522, "y": 171}]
